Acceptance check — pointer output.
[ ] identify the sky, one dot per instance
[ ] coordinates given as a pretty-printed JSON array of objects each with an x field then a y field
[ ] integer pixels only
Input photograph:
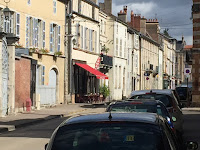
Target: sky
[{"x": 172, "y": 14}]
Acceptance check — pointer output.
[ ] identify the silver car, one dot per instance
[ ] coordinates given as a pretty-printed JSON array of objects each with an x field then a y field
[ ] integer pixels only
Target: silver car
[{"x": 170, "y": 101}]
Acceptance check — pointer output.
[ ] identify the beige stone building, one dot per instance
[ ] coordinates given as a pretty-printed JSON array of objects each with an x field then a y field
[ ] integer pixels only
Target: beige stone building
[{"x": 41, "y": 30}]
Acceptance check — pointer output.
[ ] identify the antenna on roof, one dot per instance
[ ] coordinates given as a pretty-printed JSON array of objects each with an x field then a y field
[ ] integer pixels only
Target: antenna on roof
[{"x": 110, "y": 116}]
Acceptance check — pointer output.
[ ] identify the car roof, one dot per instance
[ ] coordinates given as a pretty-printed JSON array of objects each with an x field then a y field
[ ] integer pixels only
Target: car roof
[
  {"x": 144, "y": 101},
  {"x": 141, "y": 117},
  {"x": 157, "y": 91}
]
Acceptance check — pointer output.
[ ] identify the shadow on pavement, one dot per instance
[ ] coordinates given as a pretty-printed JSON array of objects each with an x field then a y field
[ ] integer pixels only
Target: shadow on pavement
[
  {"x": 94, "y": 106},
  {"x": 40, "y": 130},
  {"x": 191, "y": 127}
]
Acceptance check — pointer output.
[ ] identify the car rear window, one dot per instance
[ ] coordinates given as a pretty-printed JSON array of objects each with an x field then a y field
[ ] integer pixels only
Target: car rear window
[
  {"x": 161, "y": 97},
  {"x": 108, "y": 135},
  {"x": 182, "y": 92}
]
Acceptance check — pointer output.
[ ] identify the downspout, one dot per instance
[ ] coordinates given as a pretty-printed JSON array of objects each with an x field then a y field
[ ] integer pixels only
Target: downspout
[
  {"x": 70, "y": 50},
  {"x": 140, "y": 64}
]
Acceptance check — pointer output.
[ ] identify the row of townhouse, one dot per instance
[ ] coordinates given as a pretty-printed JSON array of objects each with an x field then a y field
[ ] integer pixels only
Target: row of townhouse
[{"x": 66, "y": 51}]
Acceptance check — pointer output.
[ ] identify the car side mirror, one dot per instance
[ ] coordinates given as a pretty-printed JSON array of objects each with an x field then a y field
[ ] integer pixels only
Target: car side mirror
[
  {"x": 174, "y": 119},
  {"x": 192, "y": 145},
  {"x": 45, "y": 147}
]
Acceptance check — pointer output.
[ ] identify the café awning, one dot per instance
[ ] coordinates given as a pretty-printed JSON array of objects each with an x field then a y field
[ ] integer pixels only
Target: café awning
[{"x": 93, "y": 71}]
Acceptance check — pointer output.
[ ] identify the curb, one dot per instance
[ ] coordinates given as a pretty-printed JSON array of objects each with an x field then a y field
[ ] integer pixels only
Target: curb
[
  {"x": 190, "y": 109},
  {"x": 33, "y": 122}
]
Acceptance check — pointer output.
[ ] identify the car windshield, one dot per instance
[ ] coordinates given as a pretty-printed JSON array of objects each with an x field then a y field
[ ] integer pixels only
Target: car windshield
[
  {"x": 131, "y": 107},
  {"x": 163, "y": 98},
  {"x": 182, "y": 92},
  {"x": 107, "y": 136}
]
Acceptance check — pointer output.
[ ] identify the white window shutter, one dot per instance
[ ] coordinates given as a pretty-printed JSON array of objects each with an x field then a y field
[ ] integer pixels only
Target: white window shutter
[
  {"x": 58, "y": 38},
  {"x": 17, "y": 24},
  {"x": 51, "y": 37},
  {"x": 27, "y": 31}
]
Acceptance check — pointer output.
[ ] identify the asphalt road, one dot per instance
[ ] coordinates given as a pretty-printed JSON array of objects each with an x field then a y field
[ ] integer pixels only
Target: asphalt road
[
  {"x": 36, "y": 136},
  {"x": 29, "y": 138}
]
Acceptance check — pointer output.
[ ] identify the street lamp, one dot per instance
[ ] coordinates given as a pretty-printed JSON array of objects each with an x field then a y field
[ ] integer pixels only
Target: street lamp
[{"x": 6, "y": 11}]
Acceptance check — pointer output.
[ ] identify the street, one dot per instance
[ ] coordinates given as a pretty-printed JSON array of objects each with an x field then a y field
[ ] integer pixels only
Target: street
[
  {"x": 32, "y": 137},
  {"x": 36, "y": 136},
  {"x": 191, "y": 126}
]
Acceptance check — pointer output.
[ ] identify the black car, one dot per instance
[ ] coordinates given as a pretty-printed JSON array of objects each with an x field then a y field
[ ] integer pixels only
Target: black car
[
  {"x": 115, "y": 131},
  {"x": 152, "y": 106},
  {"x": 185, "y": 95}
]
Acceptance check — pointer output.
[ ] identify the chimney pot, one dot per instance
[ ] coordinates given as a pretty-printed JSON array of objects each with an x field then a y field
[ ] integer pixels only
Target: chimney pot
[{"x": 132, "y": 13}]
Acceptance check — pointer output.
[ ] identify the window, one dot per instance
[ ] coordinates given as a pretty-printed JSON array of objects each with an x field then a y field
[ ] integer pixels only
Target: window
[
  {"x": 58, "y": 38},
  {"x": 78, "y": 34},
  {"x": 93, "y": 12},
  {"x": 29, "y": 2},
  {"x": 43, "y": 34},
  {"x": 79, "y": 6},
  {"x": 54, "y": 6},
  {"x": 17, "y": 24},
  {"x": 86, "y": 46},
  {"x": 104, "y": 27},
  {"x": 117, "y": 46},
  {"x": 128, "y": 56},
  {"x": 95, "y": 41},
  {"x": 42, "y": 75},
  {"x": 125, "y": 49},
  {"x": 116, "y": 77},
  {"x": 81, "y": 36},
  {"x": 27, "y": 31},
  {"x": 120, "y": 51},
  {"x": 54, "y": 38},
  {"x": 120, "y": 72}
]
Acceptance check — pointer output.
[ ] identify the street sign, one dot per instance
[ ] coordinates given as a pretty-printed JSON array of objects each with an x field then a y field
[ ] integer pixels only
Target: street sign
[
  {"x": 147, "y": 78},
  {"x": 187, "y": 71}
]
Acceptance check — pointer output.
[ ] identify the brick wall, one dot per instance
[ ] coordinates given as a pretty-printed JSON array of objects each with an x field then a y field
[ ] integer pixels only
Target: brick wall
[
  {"x": 22, "y": 81},
  {"x": 196, "y": 53}
]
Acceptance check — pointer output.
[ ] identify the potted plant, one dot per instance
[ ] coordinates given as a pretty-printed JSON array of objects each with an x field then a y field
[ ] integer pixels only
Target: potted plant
[
  {"x": 44, "y": 51},
  {"x": 105, "y": 91},
  {"x": 59, "y": 53}
]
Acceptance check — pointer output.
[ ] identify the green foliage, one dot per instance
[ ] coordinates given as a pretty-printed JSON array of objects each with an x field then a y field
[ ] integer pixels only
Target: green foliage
[
  {"x": 104, "y": 90},
  {"x": 58, "y": 53},
  {"x": 104, "y": 49}
]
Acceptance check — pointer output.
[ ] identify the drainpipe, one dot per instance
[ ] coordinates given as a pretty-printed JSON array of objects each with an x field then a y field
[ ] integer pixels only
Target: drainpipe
[
  {"x": 68, "y": 51},
  {"x": 140, "y": 64}
]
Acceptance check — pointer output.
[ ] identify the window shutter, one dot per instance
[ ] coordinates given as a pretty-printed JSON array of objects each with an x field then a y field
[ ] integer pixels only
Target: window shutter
[
  {"x": 51, "y": 37},
  {"x": 85, "y": 39},
  {"x": 27, "y": 31},
  {"x": 58, "y": 38},
  {"x": 17, "y": 24},
  {"x": 81, "y": 36},
  {"x": 43, "y": 34}
]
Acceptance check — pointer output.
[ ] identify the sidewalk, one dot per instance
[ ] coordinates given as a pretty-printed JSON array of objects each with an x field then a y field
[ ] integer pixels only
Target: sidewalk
[
  {"x": 191, "y": 109},
  {"x": 10, "y": 123}
]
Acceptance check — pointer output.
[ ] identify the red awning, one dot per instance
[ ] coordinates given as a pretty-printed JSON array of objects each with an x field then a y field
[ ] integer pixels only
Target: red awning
[{"x": 93, "y": 71}]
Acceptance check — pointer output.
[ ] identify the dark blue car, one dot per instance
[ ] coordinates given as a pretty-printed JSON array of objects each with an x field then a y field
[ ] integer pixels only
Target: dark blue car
[{"x": 115, "y": 131}]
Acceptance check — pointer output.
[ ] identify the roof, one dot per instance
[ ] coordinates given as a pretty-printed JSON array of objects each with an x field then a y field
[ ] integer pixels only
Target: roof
[
  {"x": 129, "y": 117},
  {"x": 166, "y": 92},
  {"x": 188, "y": 46}
]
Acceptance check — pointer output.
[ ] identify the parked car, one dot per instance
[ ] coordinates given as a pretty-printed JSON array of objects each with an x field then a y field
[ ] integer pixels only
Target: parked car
[
  {"x": 152, "y": 106},
  {"x": 115, "y": 131},
  {"x": 170, "y": 101},
  {"x": 185, "y": 95}
]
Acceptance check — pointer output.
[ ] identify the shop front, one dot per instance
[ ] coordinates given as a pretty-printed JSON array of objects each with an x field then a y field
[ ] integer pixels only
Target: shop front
[{"x": 86, "y": 83}]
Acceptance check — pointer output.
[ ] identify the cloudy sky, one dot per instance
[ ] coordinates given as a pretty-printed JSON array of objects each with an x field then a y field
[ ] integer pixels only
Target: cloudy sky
[{"x": 172, "y": 14}]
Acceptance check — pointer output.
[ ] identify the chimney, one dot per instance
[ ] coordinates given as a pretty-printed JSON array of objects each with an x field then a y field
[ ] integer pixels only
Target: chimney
[
  {"x": 135, "y": 21},
  {"x": 125, "y": 9},
  {"x": 152, "y": 27},
  {"x": 122, "y": 15},
  {"x": 143, "y": 25},
  {"x": 108, "y": 6}
]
